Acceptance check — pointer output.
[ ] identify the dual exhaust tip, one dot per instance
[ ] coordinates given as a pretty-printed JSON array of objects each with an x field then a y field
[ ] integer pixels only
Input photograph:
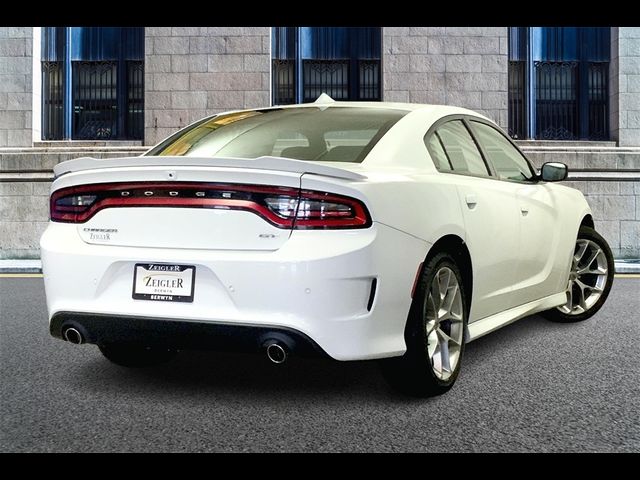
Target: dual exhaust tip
[
  {"x": 72, "y": 335},
  {"x": 276, "y": 352}
]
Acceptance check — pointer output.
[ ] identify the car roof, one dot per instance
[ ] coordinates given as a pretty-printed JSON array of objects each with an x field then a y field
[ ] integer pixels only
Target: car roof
[
  {"x": 434, "y": 111},
  {"x": 408, "y": 107}
]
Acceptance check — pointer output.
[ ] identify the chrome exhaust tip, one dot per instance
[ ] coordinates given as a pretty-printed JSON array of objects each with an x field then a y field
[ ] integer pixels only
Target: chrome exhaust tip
[
  {"x": 276, "y": 353},
  {"x": 72, "y": 335}
]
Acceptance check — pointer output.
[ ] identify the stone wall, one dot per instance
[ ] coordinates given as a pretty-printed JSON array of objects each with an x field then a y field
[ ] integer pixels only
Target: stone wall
[
  {"x": 625, "y": 99},
  {"x": 191, "y": 72},
  {"x": 616, "y": 210},
  {"x": 462, "y": 66},
  {"x": 24, "y": 214},
  {"x": 15, "y": 86}
]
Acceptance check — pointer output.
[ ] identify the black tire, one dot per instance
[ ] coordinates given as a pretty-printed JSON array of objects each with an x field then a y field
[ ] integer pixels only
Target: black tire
[
  {"x": 557, "y": 315},
  {"x": 413, "y": 373},
  {"x": 134, "y": 356}
]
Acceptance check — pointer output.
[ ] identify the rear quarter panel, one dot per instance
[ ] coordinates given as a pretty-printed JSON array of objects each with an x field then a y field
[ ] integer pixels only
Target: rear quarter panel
[{"x": 425, "y": 206}]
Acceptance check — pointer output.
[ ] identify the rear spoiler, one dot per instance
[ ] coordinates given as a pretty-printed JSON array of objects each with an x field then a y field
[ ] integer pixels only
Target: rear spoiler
[{"x": 260, "y": 163}]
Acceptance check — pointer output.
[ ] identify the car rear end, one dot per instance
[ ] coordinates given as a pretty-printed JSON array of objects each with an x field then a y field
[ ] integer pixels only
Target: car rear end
[{"x": 218, "y": 257}]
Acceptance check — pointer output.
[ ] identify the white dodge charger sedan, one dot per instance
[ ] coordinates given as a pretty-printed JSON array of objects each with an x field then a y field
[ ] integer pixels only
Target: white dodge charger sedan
[{"x": 356, "y": 231}]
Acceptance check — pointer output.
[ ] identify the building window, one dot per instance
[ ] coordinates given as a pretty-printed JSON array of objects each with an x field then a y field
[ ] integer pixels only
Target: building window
[
  {"x": 559, "y": 83},
  {"x": 343, "y": 62},
  {"x": 92, "y": 83},
  {"x": 52, "y": 100}
]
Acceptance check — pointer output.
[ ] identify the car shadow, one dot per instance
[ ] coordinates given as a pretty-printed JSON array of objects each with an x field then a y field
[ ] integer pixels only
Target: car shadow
[{"x": 253, "y": 374}]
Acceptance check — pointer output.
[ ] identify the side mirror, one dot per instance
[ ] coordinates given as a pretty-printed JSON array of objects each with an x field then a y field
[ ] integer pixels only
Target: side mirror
[{"x": 554, "y": 172}]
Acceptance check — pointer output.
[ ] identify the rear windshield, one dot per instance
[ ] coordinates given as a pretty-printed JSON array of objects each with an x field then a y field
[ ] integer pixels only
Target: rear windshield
[{"x": 334, "y": 134}]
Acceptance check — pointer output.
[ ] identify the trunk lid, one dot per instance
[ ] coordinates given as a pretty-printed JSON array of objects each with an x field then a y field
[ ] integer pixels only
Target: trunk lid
[{"x": 187, "y": 202}]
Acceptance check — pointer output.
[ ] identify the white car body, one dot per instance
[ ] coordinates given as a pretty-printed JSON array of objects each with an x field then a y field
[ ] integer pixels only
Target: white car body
[{"x": 520, "y": 238}]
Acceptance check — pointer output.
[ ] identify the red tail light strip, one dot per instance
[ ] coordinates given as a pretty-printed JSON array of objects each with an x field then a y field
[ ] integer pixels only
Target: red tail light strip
[
  {"x": 358, "y": 219},
  {"x": 311, "y": 209}
]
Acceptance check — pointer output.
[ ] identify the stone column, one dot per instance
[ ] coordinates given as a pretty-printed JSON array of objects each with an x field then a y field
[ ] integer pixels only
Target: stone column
[
  {"x": 624, "y": 99},
  {"x": 191, "y": 72},
  {"x": 461, "y": 66},
  {"x": 15, "y": 86}
]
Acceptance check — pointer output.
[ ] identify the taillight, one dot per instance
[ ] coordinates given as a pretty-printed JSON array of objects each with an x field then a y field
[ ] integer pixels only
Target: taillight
[
  {"x": 284, "y": 207},
  {"x": 313, "y": 209},
  {"x": 70, "y": 207}
]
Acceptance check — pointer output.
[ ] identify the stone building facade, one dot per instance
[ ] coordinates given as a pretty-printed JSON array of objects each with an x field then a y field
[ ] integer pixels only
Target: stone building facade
[{"x": 190, "y": 72}]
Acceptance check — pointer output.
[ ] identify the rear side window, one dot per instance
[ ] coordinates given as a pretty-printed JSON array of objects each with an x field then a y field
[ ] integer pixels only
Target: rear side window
[
  {"x": 460, "y": 149},
  {"x": 438, "y": 155}
]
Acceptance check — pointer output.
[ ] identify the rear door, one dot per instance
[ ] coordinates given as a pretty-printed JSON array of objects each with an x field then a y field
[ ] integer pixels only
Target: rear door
[{"x": 490, "y": 216}]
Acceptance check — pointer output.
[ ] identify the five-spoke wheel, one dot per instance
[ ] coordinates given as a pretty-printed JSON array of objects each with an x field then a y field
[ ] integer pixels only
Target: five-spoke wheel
[
  {"x": 434, "y": 333},
  {"x": 590, "y": 278},
  {"x": 444, "y": 319}
]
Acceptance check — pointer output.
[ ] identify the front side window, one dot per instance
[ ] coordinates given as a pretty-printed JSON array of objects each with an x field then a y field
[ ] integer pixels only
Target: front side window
[
  {"x": 508, "y": 162},
  {"x": 461, "y": 150},
  {"x": 335, "y": 134}
]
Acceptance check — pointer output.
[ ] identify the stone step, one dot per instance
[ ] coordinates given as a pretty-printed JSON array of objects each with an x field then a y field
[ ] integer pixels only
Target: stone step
[
  {"x": 75, "y": 150},
  {"x": 564, "y": 143},
  {"x": 86, "y": 144}
]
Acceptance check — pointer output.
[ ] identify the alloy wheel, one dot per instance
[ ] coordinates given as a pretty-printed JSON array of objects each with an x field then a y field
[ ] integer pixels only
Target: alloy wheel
[
  {"x": 587, "y": 279},
  {"x": 444, "y": 323}
]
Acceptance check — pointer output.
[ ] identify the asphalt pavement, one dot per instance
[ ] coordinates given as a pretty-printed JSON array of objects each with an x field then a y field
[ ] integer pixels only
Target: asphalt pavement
[{"x": 531, "y": 386}]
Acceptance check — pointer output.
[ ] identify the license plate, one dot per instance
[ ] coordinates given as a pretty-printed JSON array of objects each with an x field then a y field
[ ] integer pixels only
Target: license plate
[{"x": 163, "y": 282}]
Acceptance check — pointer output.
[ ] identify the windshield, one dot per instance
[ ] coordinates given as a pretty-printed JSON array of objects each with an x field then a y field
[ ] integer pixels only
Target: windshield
[{"x": 334, "y": 134}]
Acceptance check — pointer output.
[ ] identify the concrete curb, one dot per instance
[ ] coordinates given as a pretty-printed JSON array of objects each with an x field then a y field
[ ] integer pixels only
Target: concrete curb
[
  {"x": 627, "y": 266},
  {"x": 35, "y": 266},
  {"x": 20, "y": 266}
]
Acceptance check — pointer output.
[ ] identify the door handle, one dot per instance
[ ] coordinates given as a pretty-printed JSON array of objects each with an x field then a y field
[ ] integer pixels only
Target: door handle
[
  {"x": 524, "y": 210},
  {"x": 471, "y": 200}
]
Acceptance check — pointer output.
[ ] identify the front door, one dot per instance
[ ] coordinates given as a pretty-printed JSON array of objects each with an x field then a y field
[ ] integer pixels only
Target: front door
[{"x": 537, "y": 215}]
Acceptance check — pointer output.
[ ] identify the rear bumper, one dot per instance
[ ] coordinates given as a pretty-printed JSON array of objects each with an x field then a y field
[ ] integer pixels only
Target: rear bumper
[
  {"x": 103, "y": 329},
  {"x": 319, "y": 284}
]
